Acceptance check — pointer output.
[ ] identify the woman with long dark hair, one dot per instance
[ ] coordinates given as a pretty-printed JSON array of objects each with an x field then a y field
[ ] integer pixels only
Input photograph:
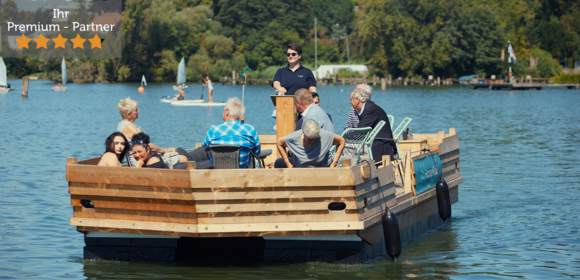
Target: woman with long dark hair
[{"x": 116, "y": 147}]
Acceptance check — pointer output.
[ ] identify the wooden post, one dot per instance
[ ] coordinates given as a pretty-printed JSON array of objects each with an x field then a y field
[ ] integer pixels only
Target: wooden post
[
  {"x": 408, "y": 172},
  {"x": 438, "y": 80},
  {"x": 285, "y": 115},
  {"x": 365, "y": 170},
  {"x": 71, "y": 160},
  {"x": 384, "y": 84},
  {"x": 452, "y": 131},
  {"x": 441, "y": 135},
  {"x": 25, "y": 87}
]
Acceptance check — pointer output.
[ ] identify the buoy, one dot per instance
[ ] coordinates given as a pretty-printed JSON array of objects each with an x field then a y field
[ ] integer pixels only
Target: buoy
[
  {"x": 391, "y": 233},
  {"x": 141, "y": 89},
  {"x": 443, "y": 201}
]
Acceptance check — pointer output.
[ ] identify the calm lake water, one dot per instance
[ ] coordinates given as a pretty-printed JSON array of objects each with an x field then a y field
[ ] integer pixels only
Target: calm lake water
[{"x": 517, "y": 216}]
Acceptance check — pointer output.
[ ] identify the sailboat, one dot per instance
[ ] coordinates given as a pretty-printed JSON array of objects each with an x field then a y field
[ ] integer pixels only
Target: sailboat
[
  {"x": 180, "y": 76},
  {"x": 3, "y": 79},
  {"x": 63, "y": 70}
]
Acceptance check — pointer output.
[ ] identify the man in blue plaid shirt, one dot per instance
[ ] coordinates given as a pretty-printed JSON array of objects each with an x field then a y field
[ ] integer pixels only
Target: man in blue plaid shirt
[{"x": 233, "y": 132}]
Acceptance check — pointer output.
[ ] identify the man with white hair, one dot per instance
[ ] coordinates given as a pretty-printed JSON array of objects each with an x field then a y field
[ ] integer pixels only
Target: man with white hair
[
  {"x": 305, "y": 105},
  {"x": 233, "y": 132},
  {"x": 352, "y": 121},
  {"x": 310, "y": 147},
  {"x": 370, "y": 114}
]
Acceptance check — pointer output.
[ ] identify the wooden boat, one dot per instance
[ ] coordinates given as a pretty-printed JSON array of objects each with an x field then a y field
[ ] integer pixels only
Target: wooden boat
[{"x": 326, "y": 214}]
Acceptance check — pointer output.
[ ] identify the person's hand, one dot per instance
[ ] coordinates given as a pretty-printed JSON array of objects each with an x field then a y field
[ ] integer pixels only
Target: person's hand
[
  {"x": 290, "y": 165},
  {"x": 332, "y": 165},
  {"x": 140, "y": 163},
  {"x": 282, "y": 91}
]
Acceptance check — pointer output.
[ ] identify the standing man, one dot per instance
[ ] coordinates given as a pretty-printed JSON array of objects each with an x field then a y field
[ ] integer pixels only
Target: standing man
[
  {"x": 352, "y": 121},
  {"x": 305, "y": 105},
  {"x": 233, "y": 132},
  {"x": 370, "y": 114}
]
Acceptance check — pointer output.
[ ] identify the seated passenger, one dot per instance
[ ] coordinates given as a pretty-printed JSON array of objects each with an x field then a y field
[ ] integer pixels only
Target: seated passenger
[
  {"x": 130, "y": 113},
  {"x": 316, "y": 100},
  {"x": 370, "y": 114},
  {"x": 180, "y": 95},
  {"x": 310, "y": 147},
  {"x": 352, "y": 121},
  {"x": 305, "y": 105},
  {"x": 143, "y": 154},
  {"x": 233, "y": 132},
  {"x": 116, "y": 147}
]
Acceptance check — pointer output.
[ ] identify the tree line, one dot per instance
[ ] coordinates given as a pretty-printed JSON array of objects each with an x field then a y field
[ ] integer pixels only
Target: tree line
[{"x": 408, "y": 38}]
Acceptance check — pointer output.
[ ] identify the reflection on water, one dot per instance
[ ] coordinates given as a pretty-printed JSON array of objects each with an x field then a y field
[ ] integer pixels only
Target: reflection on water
[{"x": 517, "y": 214}]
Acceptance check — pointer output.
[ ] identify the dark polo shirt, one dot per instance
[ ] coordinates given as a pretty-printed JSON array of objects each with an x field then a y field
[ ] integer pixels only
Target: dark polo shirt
[{"x": 293, "y": 81}]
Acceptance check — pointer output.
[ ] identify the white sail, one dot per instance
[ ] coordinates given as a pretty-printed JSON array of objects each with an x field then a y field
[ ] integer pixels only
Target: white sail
[
  {"x": 63, "y": 68},
  {"x": 3, "y": 78},
  {"x": 143, "y": 81},
  {"x": 181, "y": 72}
]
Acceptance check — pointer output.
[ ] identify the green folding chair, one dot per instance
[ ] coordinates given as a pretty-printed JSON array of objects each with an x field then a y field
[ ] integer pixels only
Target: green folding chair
[
  {"x": 354, "y": 139},
  {"x": 399, "y": 131},
  {"x": 368, "y": 143},
  {"x": 391, "y": 120}
]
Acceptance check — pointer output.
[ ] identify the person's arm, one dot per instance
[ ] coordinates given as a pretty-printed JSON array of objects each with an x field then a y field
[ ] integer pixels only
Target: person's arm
[
  {"x": 281, "y": 145},
  {"x": 279, "y": 88},
  {"x": 207, "y": 139},
  {"x": 339, "y": 141},
  {"x": 158, "y": 150},
  {"x": 277, "y": 85},
  {"x": 257, "y": 146},
  {"x": 311, "y": 82}
]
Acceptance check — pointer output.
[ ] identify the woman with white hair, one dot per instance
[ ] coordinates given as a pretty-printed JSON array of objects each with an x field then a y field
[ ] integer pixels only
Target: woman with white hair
[
  {"x": 130, "y": 113},
  {"x": 310, "y": 147}
]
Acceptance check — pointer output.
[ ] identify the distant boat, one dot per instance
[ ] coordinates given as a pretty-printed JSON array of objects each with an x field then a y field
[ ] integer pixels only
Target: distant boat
[
  {"x": 63, "y": 74},
  {"x": 180, "y": 75},
  {"x": 3, "y": 79}
]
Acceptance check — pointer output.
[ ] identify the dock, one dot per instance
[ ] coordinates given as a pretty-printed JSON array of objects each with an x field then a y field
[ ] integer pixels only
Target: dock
[{"x": 519, "y": 84}]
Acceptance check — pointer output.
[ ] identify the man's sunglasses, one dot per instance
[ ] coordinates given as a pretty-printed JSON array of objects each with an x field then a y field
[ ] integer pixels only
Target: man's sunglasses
[{"x": 291, "y": 54}]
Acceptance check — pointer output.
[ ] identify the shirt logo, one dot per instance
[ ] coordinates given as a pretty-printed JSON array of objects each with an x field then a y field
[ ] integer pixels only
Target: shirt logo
[{"x": 300, "y": 76}]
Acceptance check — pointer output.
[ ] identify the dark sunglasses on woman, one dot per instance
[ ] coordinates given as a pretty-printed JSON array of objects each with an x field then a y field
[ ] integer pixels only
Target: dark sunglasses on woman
[{"x": 140, "y": 141}]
